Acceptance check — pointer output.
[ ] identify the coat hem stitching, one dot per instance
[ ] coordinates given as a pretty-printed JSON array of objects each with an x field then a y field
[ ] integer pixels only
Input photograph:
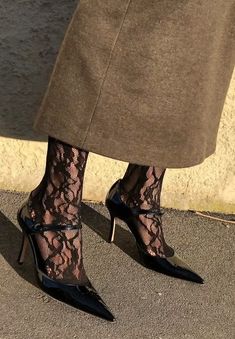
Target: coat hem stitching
[{"x": 106, "y": 72}]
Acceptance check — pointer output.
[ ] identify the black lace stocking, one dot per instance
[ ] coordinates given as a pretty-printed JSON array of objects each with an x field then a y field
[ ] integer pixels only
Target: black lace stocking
[
  {"x": 141, "y": 186},
  {"x": 57, "y": 200}
]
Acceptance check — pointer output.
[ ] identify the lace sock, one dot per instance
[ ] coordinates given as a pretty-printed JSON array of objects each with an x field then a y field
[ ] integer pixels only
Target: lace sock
[
  {"x": 57, "y": 200},
  {"x": 141, "y": 186}
]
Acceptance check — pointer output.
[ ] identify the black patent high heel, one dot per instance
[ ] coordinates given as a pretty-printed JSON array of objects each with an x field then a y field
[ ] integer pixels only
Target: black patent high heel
[
  {"x": 83, "y": 297},
  {"x": 23, "y": 249},
  {"x": 171, "y": 265}
]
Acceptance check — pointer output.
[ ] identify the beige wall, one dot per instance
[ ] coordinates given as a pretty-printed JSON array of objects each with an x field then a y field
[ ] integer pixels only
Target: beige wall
[{"x": 209, "y": 186}]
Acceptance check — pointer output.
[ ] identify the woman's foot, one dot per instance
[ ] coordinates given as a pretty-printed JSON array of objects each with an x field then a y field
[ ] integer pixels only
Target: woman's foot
[
  {"x": 144, "y": 221},
  {"x": 51, "y": 220}
]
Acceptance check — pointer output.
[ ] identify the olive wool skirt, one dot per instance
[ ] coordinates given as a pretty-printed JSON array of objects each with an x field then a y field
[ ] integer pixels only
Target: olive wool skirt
[{"x": 142, "y": 81}]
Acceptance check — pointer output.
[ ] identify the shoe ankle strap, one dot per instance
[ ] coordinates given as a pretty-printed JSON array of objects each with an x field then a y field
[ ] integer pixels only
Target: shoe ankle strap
[
  {"x": 31, "y": 226},
  {"x": 39, "y": 228}
]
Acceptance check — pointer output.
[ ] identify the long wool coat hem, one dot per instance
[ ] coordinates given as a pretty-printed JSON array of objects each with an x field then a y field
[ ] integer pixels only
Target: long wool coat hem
[
  {"x": 142, "y": 81},
  {"x": 130, "y": 153}
]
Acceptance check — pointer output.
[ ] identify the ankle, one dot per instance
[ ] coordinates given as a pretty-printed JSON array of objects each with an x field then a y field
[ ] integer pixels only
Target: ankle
[
  {"x": 136, "y": 199},
  {"x": 60, "y": 213},
  {"x": 131, "y": 201}
]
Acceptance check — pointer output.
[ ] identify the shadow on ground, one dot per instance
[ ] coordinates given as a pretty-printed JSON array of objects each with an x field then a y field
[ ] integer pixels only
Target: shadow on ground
[{"x": 30, "y": 35}]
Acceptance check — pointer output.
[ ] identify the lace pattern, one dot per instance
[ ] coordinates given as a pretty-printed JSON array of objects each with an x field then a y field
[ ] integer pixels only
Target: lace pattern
[{"x": 141, "y": 186}]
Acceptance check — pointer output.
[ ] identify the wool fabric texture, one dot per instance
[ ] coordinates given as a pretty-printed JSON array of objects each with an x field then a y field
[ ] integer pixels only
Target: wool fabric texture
[{"x": 142, "y": 81}]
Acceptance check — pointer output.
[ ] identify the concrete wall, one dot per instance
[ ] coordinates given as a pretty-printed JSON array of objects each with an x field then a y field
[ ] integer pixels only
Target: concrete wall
[{"x": 209, "y": 186}]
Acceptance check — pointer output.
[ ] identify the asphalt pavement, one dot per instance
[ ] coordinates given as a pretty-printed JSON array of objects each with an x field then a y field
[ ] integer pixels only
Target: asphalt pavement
[{"x": 146, "y": 304}]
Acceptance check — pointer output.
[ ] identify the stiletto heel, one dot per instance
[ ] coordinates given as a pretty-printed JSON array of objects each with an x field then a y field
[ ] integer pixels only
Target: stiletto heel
[
  {"x": 23, "y": 249},
  {"x": 170, "y": 265},
  {"x": 113, "y": 228},
  {"x": 84, "y": 296}
]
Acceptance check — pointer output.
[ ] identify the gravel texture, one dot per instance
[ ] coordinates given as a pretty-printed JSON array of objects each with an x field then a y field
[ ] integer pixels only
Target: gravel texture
[{"x": 146, "y": 304}]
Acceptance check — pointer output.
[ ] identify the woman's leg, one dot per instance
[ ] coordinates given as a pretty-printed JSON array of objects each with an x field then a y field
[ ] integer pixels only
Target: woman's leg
[
  {"x": 57, "y": 200},
  {"x": 141, "y": 186}
]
